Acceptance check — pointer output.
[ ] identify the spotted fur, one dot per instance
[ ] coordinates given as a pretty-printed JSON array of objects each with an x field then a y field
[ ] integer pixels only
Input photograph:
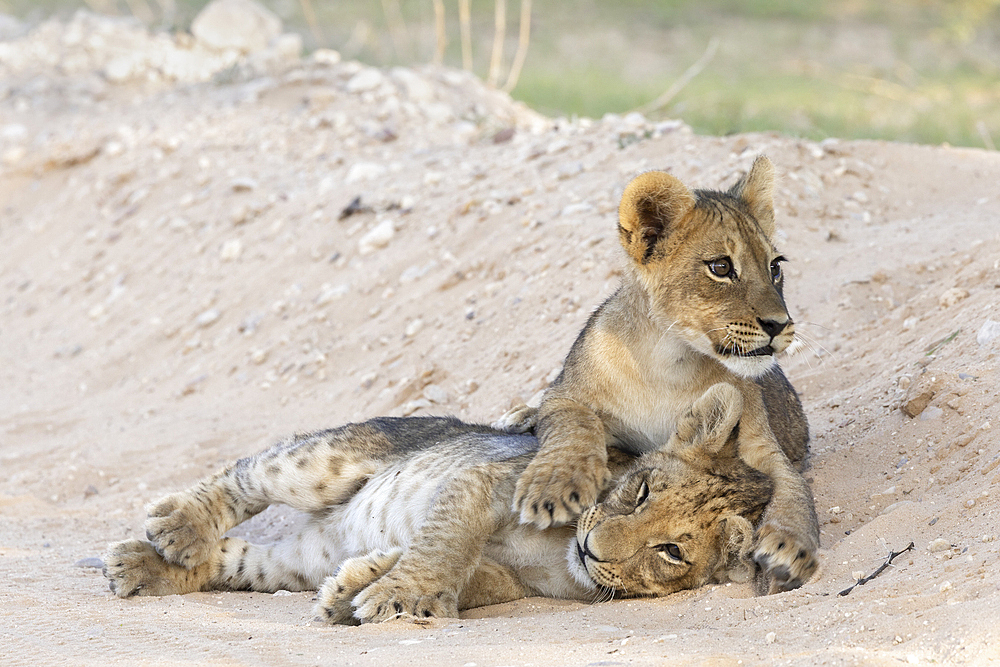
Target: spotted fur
[{"x": 411, "y": 517}]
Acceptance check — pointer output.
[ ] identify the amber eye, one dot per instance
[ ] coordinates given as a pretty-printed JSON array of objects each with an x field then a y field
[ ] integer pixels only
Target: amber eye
[
  {"x": 722, "y": 267},
  {"x": 643, "y": 494},
  {"x": 670, "y": 549},
  {"x": 776, "y": 268}
]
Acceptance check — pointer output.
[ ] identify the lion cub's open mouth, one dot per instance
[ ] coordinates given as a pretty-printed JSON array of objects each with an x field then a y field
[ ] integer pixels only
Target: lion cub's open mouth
[{"x": 764, "y": 351}]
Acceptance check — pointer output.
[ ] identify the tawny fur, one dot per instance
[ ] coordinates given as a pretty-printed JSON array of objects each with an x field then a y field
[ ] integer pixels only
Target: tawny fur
[
  {"x": 701, "y": 303},
  {"x": 411, "y": 518}
]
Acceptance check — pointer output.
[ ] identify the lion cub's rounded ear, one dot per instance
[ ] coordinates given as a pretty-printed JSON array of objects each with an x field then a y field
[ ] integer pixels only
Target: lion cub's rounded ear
[
  {"x": 756, "y": 191},
  {"x": 652, "y": 204},
  {"x": 712, "y": 419}
]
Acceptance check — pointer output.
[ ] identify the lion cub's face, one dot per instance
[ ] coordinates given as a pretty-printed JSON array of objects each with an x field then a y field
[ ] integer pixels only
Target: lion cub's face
[
  {"x": 683, "y": 517},
  {"x": 708, "y": 264}
]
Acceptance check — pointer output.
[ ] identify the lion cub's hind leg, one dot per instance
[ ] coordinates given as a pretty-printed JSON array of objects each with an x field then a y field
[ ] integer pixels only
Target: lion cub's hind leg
[
  {"x": 133, "y": 567},
  {"x": 353, "y": 576}
]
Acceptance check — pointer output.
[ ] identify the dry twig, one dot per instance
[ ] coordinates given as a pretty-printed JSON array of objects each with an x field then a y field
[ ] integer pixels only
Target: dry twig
[
  {"x": 524, "y": 36},
  {"x": 465, "y": 20},
  {"x": 499, "y": 35},
  {"x": 678, "y": 85},
  {"x": 439, "y": 30},
  {"x": 310, "y": 15},
  {"x": 882, "y": 568}
]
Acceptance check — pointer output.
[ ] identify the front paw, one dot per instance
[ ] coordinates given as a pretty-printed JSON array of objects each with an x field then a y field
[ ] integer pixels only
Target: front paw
[
  {"x": 787, "y": 560},
  {"x": 134, "y": 568},
  {"x": 558, "y": 485},
  {"x": 391, "y": 598},
  {"x": 182, "y": 529},
  {"x": 517, "y": 420},
  {"x": 336, "y": 596}
]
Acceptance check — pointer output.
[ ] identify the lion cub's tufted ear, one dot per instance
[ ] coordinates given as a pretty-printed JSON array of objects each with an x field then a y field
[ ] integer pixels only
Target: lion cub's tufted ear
[
  {"x": 756, "y": 190},
  {"x": 707, "y": 428},
  {"x": 652, "y": 205}
]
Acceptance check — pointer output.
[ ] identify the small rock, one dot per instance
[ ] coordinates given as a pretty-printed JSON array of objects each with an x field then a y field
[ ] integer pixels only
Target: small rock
[
  {"x": 435, "y": 394},
  {"x": 939, "y": 545},
  {"x": 377, "y": 238},
  {"x": 208, "y": 317},
  {"x": 364, "y": 171},
  {"x": 231, "y": 250},
  {"x": 988, "y": 333},
  {"x": 414, "y": 327},
  {"x": 916, "y": 405},
  {"x": 328, "y": 293},
  {"x": 242, "y": 25},
  {"x": 243, "y": 185},
  {"x": 258, "y": 356},
  {"x": 91, "y": 490},
  {"x": 945, "y": 586},
  {"x": 952, "y": 296},
  {"x": 412, "y": 406},
  {"x": 933, "y": 412},
  {"x": 770, "y": 638},
  {"x": 326, "y": 57},
  {"x": 92, "y": 561},
  {"x": 576, "y": 209},
  {"x": 367, "y": 79}
]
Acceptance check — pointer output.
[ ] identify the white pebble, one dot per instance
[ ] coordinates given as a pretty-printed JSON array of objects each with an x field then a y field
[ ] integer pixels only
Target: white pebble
[
  {"x": 770, "y": 638},
  {"x": 989, "y": 332},
  {"x": 414, "y": 327},
  {"x": 208, "y": 317},
  {"x": 231, "y": 250},
  {"x": 939, "y": 545},
  {"x": 377, "y": 238},
  {"x": 945, "y": 586},
  {"x": 367, "y": 79},
  {"x": 364, "y": 171},
  {"x": 952, "y": 296}
]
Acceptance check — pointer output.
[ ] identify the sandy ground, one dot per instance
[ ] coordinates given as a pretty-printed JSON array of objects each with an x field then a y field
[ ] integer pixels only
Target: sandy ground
[{"x": 178, "y": 288}]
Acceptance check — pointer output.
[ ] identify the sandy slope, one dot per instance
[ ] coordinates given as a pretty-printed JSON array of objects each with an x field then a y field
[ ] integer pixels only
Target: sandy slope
[{"x": 177, "y": 289}]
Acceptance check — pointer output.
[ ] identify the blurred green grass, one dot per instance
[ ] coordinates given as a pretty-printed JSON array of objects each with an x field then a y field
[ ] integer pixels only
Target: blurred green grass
[{"x": 925, "y": 71}]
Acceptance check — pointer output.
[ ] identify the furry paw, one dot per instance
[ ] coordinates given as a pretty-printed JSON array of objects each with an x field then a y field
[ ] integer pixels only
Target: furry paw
[
  {"x": 392, "y": 597},
  {"x": 519, "y": 419},
  {"x": 787, "y": 560},
  {"x": 181, "y": 529},
  {"x": 352, "y": 577},
  {"x": 557, "y": 485},
  {"x": 134, "y": 568}
]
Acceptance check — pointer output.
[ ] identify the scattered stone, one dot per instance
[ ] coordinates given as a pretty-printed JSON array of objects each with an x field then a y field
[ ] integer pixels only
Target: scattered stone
[
  {"x": 326, "y": 57},
  {"x": 414, "y": 327},
  {"x": 91, "y": 490},
  {"x": 939, "y": 545},
  {"x": 92, "y": 561},
  {"x": 258, "y": 356},
  {"x": 770, "y": 638},
  {"x": 241, "y": 25},
  {"x": 932, "y": 412},
  {"x": 945, "y": 586},
  {"x": 580, "y": 208},
  {"x": 435, "y": 394},
  {"x": 412, "y": 406},
  {"x": 364, "y": 171},
  {"x": 367, "y": 79},
  {"x": 377, "y": 238},
  {"x": 231, "y": 250},
  {"x": 208, "y": 317},
  {"x": 917, "y": 404},
  {"x": 330, "y": 293},
  {"x": 988, "y": 333},
  {"x": 952, "y": 296},
  {"x": 243, "y": 185}
]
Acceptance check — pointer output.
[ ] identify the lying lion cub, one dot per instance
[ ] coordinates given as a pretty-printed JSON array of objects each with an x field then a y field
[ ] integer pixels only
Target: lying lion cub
[
  {"x": 411, "y": 517},
  {"x": 701, "y": 303}
]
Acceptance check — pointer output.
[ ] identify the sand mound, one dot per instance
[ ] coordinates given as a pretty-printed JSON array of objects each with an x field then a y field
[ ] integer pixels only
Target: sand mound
[{"x": 198, "y": 259}]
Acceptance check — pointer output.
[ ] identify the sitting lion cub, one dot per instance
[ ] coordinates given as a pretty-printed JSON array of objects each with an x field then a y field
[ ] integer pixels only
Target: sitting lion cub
[
  {"x": 701, "y": 303},
  {"x": 411, "y": 517}
]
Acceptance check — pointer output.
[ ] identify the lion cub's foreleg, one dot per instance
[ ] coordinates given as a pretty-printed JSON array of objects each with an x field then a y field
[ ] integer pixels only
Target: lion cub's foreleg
[
  {"x": 442, "y": 559},
  {"x": 788, "y": 537},
  {"x": 308, "y": 473},
  {"x": 570, "y": 469}
]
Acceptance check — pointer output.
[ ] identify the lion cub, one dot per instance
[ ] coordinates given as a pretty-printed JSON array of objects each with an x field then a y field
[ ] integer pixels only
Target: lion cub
[
  {"x": 411, "y": 517},
  {"x": 701, "y": 303}
]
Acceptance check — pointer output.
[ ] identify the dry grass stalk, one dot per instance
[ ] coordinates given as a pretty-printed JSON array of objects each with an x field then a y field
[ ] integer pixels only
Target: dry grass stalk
[
  {"x": 678, "y": 85},
  {"x": 499, "y": 35},
  {"x": 397, "y": 28},
  {"x": 310, "y": 16},
  {"x": 523, "y": 38},
  {"x": 465, "y": 21},
  {"x": 439, "y": 29}
]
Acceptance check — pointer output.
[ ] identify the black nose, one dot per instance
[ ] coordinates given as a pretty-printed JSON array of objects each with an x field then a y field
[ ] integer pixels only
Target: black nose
[{"x": 772, "y": 327}]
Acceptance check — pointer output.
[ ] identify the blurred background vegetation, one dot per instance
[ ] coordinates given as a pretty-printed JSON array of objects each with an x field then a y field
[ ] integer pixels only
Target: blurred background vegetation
[{"x": 923, "y": 71}]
